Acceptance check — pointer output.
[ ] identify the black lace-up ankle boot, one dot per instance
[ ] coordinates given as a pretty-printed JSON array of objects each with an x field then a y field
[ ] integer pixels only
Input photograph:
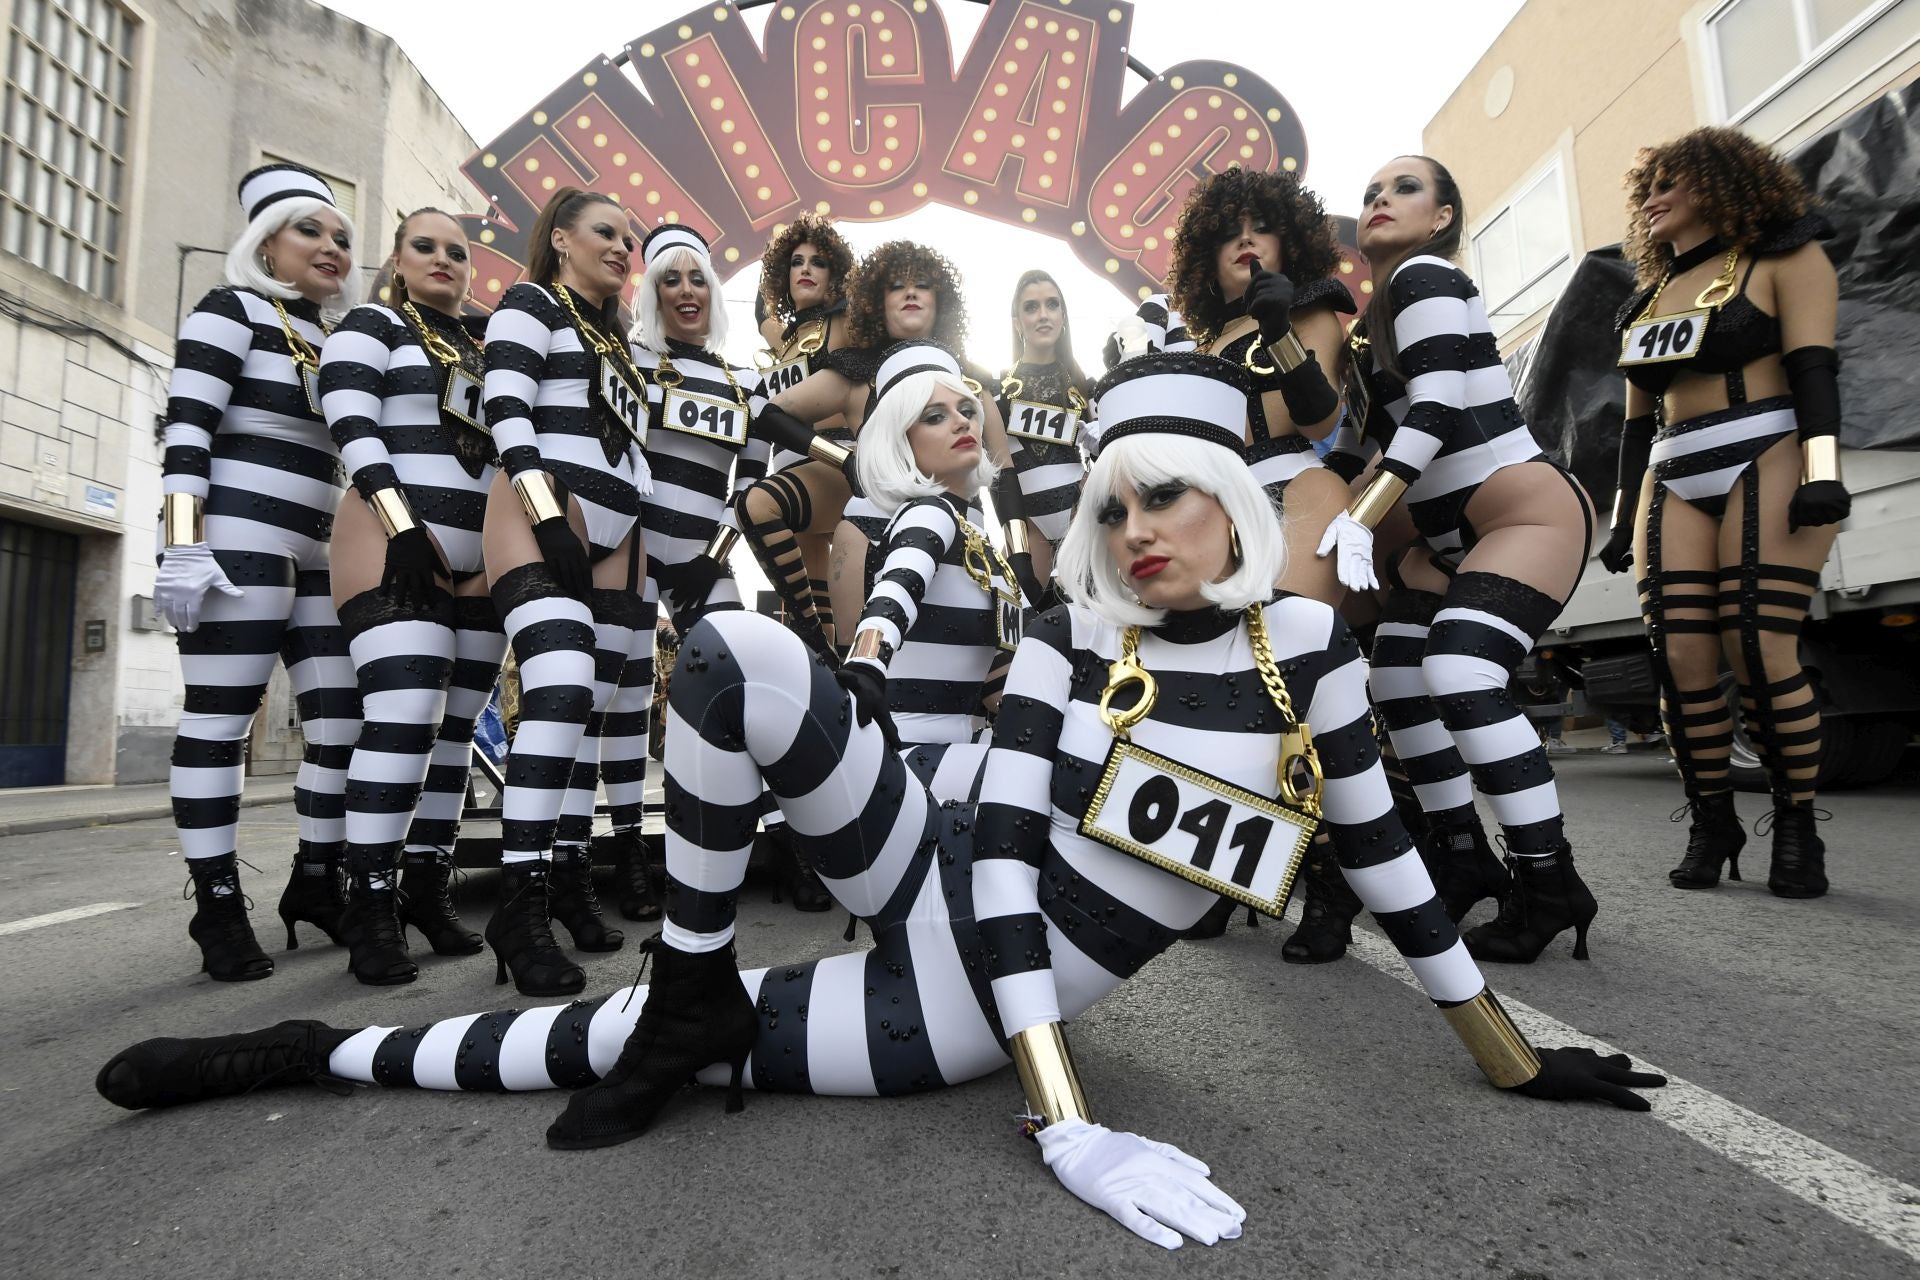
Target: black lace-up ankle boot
[
  {"x": 1714, "y": 837},
  {"x": 1548, "y": 897},
  {"x": 522, "y": 936},
  {"x": 1326, "y": 916},
  {"x": 632, "y": 875},
  {"x": 697, "y": 1014},
  {"x": 426, "y": 903},
  {"x": 169, "y": 1072},
  {"x": 1799, "y": 867},
  {"x": 1464, "y": 866},
  {"x": 573, "y": 900},
  {"x": 376, "y": 940},
  {"x": 228, "y": 950},
  {"x": 315, "y": 893}
]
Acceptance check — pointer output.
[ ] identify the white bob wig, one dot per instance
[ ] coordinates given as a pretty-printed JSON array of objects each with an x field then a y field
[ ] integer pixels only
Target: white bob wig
[
  {"x": 247, "y": 270},
  {"x": 1086, "y": 568},
  {"x": 884, "y": 455},
  {"x": 649, "y": 330}
]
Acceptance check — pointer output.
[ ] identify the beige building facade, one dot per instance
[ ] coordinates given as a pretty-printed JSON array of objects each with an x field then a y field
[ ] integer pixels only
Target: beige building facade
[
  {"x": 1543, "y": 129},
  {"x": 128, "y": 124}
]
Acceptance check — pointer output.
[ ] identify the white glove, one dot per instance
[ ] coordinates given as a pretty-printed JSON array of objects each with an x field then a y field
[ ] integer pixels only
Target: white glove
[
  {"x": 1153, "y": 1189},
  {"x": 185, "y": 575},
  {"x": 1354, "y": 563}
]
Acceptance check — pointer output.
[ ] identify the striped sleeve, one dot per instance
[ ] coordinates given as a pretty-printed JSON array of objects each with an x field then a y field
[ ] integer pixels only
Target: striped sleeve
[
  {"x": 353, "y": 365},
  {"x": 1375, "y": 853},
  {"x": 207, "y": 361},
  {"x": 920, "y": 536},
  {"x": 1012, "y": 823},
  {"x": 1432, "y": 330},
  {"x": 518, "y": 340}
]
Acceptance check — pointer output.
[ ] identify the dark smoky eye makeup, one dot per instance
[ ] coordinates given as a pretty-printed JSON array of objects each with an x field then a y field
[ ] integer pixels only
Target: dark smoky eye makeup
[
  {"x": 457, "y": 252},
  {"x": 1112, "y": 513},
  {"x": 1407, "y": 185},
  {"x": 1368, "y": 196},
  {"x": 1162, "y": 494}
]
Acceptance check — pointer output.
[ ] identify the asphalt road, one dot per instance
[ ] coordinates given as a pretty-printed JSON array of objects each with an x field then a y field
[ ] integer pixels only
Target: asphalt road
[{"x": 1331, "y": 1101}]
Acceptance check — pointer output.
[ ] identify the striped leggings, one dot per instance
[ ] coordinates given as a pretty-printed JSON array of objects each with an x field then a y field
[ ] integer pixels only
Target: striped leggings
[
  {"x": 284, "y": 611},
  {"x": 424, "y": 679},
  {"x": 1440, "y": 670},
  {"x": 748, "y": 704}
]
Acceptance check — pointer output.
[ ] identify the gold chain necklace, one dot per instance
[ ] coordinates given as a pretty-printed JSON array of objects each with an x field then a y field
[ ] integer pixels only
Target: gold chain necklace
[
  {"x": 298, "y": 347},
  {"x": 1713, "y": 295},
  {"x": 1011, "y": 385},
  {"x": 438, "y": 347},
  {"x": 669, "y": 377},
  {"x": 601, "y": 345},
  {"x": 1297, "y": 753}
]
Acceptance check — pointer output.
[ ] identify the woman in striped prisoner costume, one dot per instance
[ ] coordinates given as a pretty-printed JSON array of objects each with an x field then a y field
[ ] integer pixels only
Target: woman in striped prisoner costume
[
  {"x": 704, "y": 454},
  {"x": 790, "y": 516},
  {"x": 563, "y": 551},
  {"x": 401, "y": 386},
  {"x": 250, "y": 490},
  {"x": 1506, "y": 535},
  {"x": 994, "y": 920},
  {"x": 1043, "y": 401}
]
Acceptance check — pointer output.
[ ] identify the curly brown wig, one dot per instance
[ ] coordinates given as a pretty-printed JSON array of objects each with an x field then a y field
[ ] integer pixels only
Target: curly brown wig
[
  {"x": 904, "y": 260},
  {"x": 808, "y": 228},
  {"x": 1212, "y": 216},
  {"x": 1740, "y": 188}
]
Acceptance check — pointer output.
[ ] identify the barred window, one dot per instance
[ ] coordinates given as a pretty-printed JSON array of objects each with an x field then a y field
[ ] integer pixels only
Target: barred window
[{"x": 63, "y": 169}]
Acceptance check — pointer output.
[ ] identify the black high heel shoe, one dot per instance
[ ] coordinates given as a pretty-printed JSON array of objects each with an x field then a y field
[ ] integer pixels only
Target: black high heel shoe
[
  {"x": 1714, "y": 837},
  {"x": 793, "y": 874},
  {"x": 1799, "y": 866},
  {"x": 228, "y": 950},
  {"x": 634, "y": 893},
  {"x": 1326, "y": 917},
  {"x": 315, "y": 893},
  {"x": 1548, "y": 898},
  {"x": 697, "y": 1013},
  {"x": 426, "y": 904},
  {"x": 522, "y": 937},
  {"x": 376, "y": 940},
  {"x": 1463, "y": 866},
  {"x": 574, "y": 901},
  {"x": 169, "y": 1072}
]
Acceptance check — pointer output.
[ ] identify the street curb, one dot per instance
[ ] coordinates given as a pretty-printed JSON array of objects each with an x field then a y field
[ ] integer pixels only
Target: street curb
[{"x": 35, "y": 826}]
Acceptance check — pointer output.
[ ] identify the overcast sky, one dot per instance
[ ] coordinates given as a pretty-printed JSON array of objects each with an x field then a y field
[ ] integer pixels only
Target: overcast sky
[{"x": 1363, "y": 77}]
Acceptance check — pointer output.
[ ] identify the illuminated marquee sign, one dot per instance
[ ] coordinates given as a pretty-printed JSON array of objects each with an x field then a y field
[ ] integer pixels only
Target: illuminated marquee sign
[{"x": 851, "y": 109}]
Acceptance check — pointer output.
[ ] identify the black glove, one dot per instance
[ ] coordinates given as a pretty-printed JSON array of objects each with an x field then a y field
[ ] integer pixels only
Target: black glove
[
  {"x": 869, "y": 689},
  {"x": 1270, "y": 301},
  {"x": 1111, "y": 352},
  {"x": 1617, "y": 555},
  {"x": 412, "y": 565},
  {"x": 692, "y": 583},
  {"x": 1818, "y": 502},
  {"x": 1030, "y": 584},
  {"x": 1567, "y": 1075},
  {"x": 566, "y": 558}
]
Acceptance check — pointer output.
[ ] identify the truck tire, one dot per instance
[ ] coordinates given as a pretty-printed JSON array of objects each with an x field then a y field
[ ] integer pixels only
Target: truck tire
[
  {"x": 1743, "y": 765},
  {"x": 1878, "y": 744}
]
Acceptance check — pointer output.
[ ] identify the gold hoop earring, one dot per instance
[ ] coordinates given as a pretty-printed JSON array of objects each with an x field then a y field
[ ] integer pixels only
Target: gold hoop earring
[
  {"x": 266, "y": 260},
  {"x": 1233, "y": 544}
]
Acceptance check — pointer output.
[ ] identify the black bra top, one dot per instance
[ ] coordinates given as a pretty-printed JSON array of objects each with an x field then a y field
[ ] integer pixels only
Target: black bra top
[{"x": 1739, "y": 332}]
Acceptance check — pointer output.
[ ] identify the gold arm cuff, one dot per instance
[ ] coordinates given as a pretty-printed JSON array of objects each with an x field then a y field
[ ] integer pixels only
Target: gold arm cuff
[
  {"x": 1371, "y": 507},
  {"x": 721, "y": 544},
  {"x": 1503, "y": 1054},
  {"x": 1046, "y": 1073},
  {"x": 825, "y": 450},
  {"x": 1819, "y": 459},
  {"x": 536, "y": 495},
  {"x": 182, "y": 519},
  {"x": 1019, "y": 541},
  {"x": 390, "y": 505},
  {"x": 1288, "y": 352},
  {"x": 868, "y": 644}
]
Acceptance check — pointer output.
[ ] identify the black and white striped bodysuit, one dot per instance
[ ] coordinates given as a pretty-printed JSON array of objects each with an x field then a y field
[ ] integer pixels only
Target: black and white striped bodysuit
[
  {"x": 1453, "y": 422},
  {"x": 424, "y": 675},
  {"x": 977, "y": 933},
  {"x": 241, "y": 435},
  {"x": 542, "y": 404},
  {"x": 1050, "y": 475}
]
